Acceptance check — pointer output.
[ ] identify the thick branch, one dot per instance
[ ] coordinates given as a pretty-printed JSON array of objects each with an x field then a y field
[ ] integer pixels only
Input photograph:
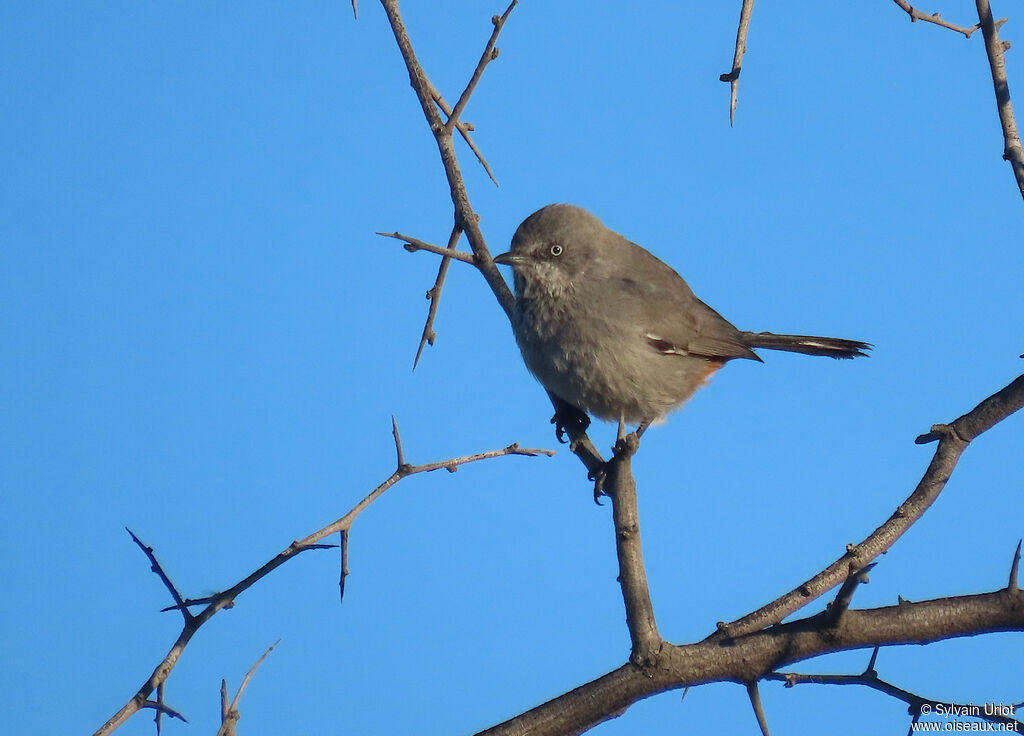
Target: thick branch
[
  {"x": 1012, "y": 149},
  {"x": 751, "y": 657},
  {"x": 643, "y": 629}
]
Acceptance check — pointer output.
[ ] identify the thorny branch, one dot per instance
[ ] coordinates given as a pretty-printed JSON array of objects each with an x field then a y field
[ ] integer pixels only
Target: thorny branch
[
  {"x": 916, "y": 15},
  {"x": 995, "y": 49},
  {"x": 464, "y": 129},
  {"x": 465, "y": 217},
  {"x": 917, "y": 703},
  {"x": 434, "y": 295},
  {"x": 754, "y": 656},
  {"x": 226, "y": 599},
  {"x": 954, "y": 439},
  {"x": 229, "y": 714},
  {"x": 745, "y": 650},
  {"x": 733, "y": 76}
]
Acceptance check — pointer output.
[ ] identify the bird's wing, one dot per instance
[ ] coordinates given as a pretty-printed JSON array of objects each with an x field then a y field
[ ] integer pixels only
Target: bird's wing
[{"x": 673, "y": 319}]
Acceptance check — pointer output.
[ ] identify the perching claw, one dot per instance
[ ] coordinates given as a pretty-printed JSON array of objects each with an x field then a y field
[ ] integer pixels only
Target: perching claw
[{"x": 569, "y": 420}]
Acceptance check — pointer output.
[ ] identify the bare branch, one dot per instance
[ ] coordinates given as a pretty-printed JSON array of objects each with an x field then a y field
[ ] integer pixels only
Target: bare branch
[
  {"x": 355, "y": 11},
  {"x": 162, "y": 708},
  {"x": 917, "y": 703},
  {"x": 754, "y": 656},
  {"x": 954, "y": 440},
  {"x": 412, "y": 245},
  {"x": 156, "y": 567},
  {"x": 1013, "y": 151},
  {"x": 434, "y": 294},
  {"x": 643, "y": 629},
  {"x": 916, "y": 15},
  {"x": 226, "y": 599},
  {"x": 490, "y": 54},
  {"x": 733, "y": 77},
  {"x": 249, "y": 674},
  {"x": 465, "y": 217},
  {"x": 464, "y": 129},
  {"x": 845, "y": 595}
]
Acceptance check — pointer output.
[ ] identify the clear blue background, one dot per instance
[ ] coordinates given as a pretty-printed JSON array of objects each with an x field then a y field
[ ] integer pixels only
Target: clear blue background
[{"x": 204, "y": 340}]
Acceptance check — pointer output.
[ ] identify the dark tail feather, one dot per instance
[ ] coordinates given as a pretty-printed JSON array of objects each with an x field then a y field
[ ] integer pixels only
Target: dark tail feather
[{"x": 830, "y": 347}]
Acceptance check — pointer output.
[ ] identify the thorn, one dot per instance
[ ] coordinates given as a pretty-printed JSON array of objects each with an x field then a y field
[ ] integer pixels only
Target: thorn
[
  {"x": 398, "y": 442},
  {"x": 871, "y": 663},
  {"x": 1014, "y": 567},
  {"x": 755, "y": 702},
  {"x": 344, "y": 565}
]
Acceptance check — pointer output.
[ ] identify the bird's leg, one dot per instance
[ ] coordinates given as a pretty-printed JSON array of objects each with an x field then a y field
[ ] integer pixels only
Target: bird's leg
[{"x": 568, "y": 419}]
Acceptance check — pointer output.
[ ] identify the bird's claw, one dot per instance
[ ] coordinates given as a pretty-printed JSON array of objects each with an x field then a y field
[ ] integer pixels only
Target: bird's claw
[
  {"x": 625, "y": 447},
  {"x": 599, "y": 475},
  {"x": 569, "y": 420}
]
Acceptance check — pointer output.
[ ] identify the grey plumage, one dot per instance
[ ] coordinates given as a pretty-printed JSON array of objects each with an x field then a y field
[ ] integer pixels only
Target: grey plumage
[{"x": 610, "y": 329}]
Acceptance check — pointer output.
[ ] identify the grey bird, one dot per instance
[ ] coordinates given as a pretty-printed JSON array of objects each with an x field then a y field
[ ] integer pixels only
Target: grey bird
[{"x": 610, "y": 330}]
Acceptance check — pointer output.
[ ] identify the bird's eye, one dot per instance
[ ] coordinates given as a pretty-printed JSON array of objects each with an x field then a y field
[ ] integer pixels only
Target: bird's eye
[{"x": 555, "y": 250}]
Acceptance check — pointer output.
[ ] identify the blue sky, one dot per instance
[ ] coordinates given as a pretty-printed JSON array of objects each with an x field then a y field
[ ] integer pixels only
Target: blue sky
[{"x": 205, "y": 341}]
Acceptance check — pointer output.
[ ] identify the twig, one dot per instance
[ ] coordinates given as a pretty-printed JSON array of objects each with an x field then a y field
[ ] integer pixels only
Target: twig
[
  {"x": 156, "y": 567},
  {"x": 229, "y": 713},
  {"x": 412, "y": 245},
  {"x": 355, "y": 11},
  {"x": 954, "y": 440},
  {"x": 226, "y": 598},
  {"x": 733, "y": 77},
  {"x": 916, "y": 15},
  {"x": 1013, "y": 151},
  {"x": 464, "y": 129},
  {"x": 490, "y": 54},
  {"x": 434, "y": 294},
  {"x": 158, "y": 718},
  {"x": 869, "y": 678},
  {"x": 162, "y": 708},
  {"x": 465, "y": 217},
  {"x": 844, "y": 597}
]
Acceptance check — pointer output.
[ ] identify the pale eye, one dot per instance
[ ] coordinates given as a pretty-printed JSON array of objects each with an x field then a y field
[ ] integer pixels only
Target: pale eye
[{"x": 556, "y": 250}]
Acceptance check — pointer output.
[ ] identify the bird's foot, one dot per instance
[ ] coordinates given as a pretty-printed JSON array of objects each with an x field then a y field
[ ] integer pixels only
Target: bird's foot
[
  {"x": 569, "y": 420},
  {"x": 625, "y": 447}
]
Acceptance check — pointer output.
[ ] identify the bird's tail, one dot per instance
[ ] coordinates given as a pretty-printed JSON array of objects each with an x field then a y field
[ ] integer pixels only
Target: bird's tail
[{"x": 830, "y": 347}]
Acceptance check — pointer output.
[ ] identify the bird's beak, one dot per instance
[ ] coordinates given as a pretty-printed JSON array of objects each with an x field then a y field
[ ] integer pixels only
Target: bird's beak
[{"x": 508, "y": 259}]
